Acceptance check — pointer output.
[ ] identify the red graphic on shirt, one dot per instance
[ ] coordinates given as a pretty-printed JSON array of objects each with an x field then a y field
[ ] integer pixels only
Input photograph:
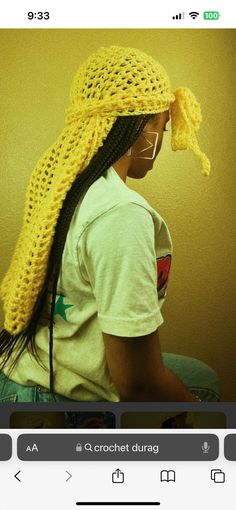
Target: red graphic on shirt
[{"x": 163, "y": 270}]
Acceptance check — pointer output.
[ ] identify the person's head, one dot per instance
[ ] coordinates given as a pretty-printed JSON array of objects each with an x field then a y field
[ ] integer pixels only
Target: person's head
[
  {"x": 139, "y": 159},
  {"x": 115, "y": 96}
]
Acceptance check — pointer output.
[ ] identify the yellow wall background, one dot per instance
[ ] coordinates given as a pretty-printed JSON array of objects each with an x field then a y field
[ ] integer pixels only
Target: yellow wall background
[{"x": 37, "y": 67}]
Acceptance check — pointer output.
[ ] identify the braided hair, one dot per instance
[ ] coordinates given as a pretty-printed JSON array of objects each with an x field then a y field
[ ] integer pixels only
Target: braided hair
[{"x": 121, "y": 137}]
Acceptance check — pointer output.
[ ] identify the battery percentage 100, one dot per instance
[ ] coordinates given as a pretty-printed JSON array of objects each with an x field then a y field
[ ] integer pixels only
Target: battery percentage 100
[{"x": 211, "y": 15}]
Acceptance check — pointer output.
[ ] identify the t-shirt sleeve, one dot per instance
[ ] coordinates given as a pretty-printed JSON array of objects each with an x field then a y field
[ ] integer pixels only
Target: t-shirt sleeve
[{"x": 118, "y": 254}]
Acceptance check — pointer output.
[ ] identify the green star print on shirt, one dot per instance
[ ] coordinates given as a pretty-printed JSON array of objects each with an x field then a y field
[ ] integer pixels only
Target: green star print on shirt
[{"x": 60, "y": 307}]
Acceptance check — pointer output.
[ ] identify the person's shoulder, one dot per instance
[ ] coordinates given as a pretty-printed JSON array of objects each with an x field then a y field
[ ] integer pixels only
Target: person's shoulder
[
  {"x": 110, "y": 196},
  {"x": 107, "y": 193}
]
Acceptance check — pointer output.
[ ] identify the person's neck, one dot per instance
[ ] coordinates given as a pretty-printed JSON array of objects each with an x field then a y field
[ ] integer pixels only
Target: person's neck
[{"x": 121, "y": 169}]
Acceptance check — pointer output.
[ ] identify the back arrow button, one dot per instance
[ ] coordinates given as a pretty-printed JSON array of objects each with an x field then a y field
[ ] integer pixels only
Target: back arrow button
[{"x": 17, "y": 476}]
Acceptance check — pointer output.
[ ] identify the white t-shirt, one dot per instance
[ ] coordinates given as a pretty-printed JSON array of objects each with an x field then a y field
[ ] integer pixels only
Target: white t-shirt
[{"x": 113, "y": 279}]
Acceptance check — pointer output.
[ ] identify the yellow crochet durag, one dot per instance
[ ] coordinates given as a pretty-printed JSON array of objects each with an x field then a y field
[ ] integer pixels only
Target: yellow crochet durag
[{"x": 113, "y": 81}]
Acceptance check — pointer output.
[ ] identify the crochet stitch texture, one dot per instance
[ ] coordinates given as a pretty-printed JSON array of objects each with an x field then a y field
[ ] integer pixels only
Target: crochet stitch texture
[{"x": 113, "y": 81}]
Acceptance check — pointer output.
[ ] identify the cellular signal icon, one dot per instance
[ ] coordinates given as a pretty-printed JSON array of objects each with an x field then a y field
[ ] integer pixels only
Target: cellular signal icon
[
  {"x": 179, "y": 16},
  {"x": 194, "y": 14}
]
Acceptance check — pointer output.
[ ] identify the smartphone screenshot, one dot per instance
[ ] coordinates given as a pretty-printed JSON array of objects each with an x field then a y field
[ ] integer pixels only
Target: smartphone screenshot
[{"x": 117, "y": 268}]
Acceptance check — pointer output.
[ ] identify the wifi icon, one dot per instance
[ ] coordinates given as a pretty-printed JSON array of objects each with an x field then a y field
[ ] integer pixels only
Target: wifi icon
[{"x": 194, "y": 14}]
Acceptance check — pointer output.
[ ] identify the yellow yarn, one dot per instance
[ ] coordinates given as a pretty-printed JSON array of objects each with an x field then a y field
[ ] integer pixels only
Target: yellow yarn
[
  {"x": 186, "y": 118},
  {"x": 114, "y": 81}
]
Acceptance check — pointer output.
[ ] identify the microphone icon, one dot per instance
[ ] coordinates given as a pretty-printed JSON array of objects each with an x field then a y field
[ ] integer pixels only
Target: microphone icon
[{"x": 205, "y": 447}]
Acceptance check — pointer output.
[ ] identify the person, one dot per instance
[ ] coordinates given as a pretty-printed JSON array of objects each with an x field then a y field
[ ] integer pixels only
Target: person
[{"x": 84, "y": 291}]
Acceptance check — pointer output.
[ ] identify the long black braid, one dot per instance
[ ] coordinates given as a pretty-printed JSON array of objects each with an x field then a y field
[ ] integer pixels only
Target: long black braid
[{"x": 123, "y": 134}]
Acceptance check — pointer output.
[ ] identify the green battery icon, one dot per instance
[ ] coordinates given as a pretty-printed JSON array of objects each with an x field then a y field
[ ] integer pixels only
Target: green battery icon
[{"x": 211, "y": 15}]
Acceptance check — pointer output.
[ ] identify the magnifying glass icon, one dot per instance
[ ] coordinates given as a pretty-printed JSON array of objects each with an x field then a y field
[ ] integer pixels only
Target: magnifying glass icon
[{"x": 88, "y": 447}]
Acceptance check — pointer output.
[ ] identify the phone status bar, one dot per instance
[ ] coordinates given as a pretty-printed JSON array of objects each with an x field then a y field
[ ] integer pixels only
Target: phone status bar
[{"x": 104, "y": 14}]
